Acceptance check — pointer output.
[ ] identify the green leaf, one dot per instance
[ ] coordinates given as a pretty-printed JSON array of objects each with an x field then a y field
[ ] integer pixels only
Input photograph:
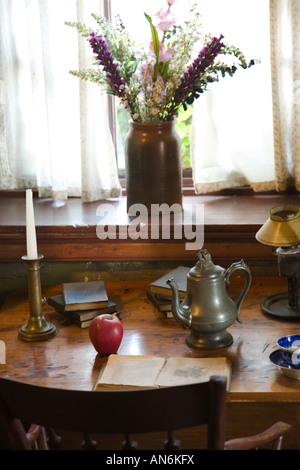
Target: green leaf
[
  {"x": 164, "y": 69},
  {"x": 155, "y": 44}
]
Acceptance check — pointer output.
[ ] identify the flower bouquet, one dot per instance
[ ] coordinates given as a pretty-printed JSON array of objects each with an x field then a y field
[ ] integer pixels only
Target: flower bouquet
[{"x": 154, "y": 81}]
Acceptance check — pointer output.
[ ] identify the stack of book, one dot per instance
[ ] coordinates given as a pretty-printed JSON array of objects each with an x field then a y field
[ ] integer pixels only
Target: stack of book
[
  {"x": 160, "y": 293},
  {"x": 81, "y": 302}
]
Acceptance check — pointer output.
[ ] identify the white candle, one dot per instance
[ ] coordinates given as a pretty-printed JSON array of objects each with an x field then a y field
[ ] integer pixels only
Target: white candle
[{"x": 30, "y": 227}]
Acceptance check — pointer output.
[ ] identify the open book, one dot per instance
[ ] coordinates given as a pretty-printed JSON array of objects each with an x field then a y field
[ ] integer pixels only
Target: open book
[{"x": 128, "y": 372}]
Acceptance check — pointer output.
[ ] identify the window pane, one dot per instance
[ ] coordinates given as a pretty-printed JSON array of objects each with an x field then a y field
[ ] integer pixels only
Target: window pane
[
  {"x": 232, "y": 18},
  {"x": 138, "y": 27}
]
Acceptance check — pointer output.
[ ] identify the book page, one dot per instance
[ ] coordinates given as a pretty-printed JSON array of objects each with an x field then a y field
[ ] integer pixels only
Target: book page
[
  {"x": 131, "y": 371},
  {"x": 182, "y": 370}
]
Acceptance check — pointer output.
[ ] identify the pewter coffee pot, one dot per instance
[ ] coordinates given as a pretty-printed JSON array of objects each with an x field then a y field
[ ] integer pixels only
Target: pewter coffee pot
[{"x": 207, "y": 309}]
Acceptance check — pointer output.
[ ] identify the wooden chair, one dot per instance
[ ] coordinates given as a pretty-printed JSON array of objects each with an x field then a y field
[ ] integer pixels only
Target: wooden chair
[{"x": 117, "y": 412}]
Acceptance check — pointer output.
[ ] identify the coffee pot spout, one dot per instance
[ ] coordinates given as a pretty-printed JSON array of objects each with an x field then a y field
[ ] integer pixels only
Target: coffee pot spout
[{"x": 183, "y": 313}]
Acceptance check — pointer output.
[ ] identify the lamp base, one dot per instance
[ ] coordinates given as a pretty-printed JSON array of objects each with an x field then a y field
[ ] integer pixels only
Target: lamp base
[{"x": 278, "y": 306}]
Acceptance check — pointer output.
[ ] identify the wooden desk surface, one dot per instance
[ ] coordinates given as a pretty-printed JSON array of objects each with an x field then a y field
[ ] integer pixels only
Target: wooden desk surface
[
  {"x": 69, "y": 360},
  {"x": 260, "y": 394}
]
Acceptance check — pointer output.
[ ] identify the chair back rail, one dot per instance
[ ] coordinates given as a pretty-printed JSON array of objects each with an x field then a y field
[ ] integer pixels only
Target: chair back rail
[{"x": 121, "y": 412}]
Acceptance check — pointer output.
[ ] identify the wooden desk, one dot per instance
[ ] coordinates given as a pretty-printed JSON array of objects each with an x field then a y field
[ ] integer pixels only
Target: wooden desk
[{"x": 259, "y": 394}]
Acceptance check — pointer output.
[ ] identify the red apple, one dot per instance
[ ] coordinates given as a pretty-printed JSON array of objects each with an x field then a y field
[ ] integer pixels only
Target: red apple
[{"x": 106, "y": 333}]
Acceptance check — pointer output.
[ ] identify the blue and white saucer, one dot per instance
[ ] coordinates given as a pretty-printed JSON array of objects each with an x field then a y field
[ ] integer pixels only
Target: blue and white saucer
[
  {"x": 287, "y": 362},
  {"x": 289, "y": 343}
]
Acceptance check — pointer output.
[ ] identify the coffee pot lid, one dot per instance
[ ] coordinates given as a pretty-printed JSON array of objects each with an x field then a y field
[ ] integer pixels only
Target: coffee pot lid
[{"x": 205, "y": 266}]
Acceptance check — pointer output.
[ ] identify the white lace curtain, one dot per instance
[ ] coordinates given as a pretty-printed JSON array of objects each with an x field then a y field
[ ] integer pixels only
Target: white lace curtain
[
  {"x": 54, "y": 132},
  {"x": 246, "y": 128}
]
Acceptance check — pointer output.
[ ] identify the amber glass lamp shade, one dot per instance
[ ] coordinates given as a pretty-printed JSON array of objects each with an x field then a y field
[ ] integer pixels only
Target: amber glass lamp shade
[{"x": 282, "y": 227}]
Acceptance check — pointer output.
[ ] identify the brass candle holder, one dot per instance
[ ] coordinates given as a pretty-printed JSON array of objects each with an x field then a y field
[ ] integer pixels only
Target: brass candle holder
[{"x": 37, "y": 328}]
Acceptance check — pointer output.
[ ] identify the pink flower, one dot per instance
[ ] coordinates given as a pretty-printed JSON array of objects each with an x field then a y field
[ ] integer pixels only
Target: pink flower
[
  {"x": 164, "y": 54},
  {"x": 170, "y": 2},
  {"x": 165, "y": 19}
]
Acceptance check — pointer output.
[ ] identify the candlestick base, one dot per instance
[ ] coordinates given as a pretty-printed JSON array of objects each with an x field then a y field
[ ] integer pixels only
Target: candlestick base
[
  {"x": 35, "y": 331},
  {"x": 37, "y": 328}
]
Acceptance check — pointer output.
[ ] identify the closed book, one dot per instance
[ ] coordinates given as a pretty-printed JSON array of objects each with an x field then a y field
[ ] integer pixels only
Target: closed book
[
  {"x": 160, "y": 286},
  {"x": 86, "y": 323},
  {"x": 81, "y": 315},
  {"x": 57, "y": 301},
  {"x": 83, "y": 324},
  {"x": 163, "y": 305},
  {"x": 84, "y": 295}
]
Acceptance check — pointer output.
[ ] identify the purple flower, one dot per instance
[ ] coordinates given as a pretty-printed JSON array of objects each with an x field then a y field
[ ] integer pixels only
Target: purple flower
[
  {"x": 106, "y": 60},
  {"x": 205, "y": 58}
]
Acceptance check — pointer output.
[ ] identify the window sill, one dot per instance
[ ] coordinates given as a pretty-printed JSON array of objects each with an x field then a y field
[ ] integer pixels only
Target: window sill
[{"x": 66, "y": 231}]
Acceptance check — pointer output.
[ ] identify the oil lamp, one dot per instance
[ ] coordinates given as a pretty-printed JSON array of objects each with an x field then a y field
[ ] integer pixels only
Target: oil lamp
[{"x": 282, "y": 232}]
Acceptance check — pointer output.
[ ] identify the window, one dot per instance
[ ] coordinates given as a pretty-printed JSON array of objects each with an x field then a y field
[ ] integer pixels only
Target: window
[
  {"x": 222, "y": 106},
  {"x": 55, "y": 133}
]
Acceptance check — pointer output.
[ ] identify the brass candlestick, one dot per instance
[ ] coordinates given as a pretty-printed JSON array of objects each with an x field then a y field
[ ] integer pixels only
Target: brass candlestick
[{"x": 37, "y": 328}]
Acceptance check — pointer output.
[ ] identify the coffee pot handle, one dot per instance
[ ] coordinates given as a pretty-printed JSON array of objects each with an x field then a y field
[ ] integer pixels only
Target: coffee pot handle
[{"x": 234, "y": 267}]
